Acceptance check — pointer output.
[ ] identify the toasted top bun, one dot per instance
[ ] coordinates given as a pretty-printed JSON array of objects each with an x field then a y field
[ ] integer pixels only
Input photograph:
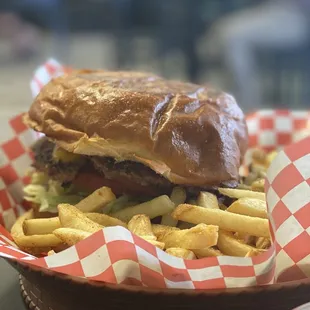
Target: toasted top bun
[{"x": 190, "y": 134}]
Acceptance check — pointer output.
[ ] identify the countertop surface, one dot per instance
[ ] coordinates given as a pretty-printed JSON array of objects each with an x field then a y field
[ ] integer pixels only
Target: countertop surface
[{"x": 10, "y": 297}]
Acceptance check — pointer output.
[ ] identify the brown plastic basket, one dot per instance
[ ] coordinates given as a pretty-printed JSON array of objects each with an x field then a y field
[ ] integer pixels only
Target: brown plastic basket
[{"x": 45, "y": 290}]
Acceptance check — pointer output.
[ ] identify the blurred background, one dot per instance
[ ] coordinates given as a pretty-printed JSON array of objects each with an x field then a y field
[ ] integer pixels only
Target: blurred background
[{"x": 258, "y": 50}]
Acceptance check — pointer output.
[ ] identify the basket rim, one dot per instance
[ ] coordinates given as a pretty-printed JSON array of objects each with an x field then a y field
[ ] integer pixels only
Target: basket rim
[{"x": 168, "y": 291}]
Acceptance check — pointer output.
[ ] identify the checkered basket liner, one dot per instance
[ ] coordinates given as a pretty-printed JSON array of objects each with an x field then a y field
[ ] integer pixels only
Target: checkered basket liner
[{"x": 115, "y": 255}]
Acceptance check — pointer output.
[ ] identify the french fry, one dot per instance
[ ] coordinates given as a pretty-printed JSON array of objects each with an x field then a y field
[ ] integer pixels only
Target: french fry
[
  {"x": 37, "y": 251},
  {"x": 250, "y": 178},
  {"x": 118, "y": 204},
  {"x": 270, "y": 157},
  {"x": 40, "y": 241},
  {"x": 51, "y": 252},
  {"x": 153, "y": 208},
  {"x": 177, "y": 196},
  {"x": 258, "y": 168},
  {"x": 159, "y": 230},
  {"x": 241, "y": 236},
  {"x": 202, "y": 228},
  {"x": 105, "y": 220},
  {"x": 71, "y": 236},
  {"x": 244, "y": 186},
  {"x": 258, "y": 155},
  {"x": 222, "y": 207},
  {"x": 24, "y": 217},
  {"x": 156, "y": 243},
  {"x": 97, "y": 200},
  {"x": 46, "y": 242},
  {"x": 262, "y": 174},
  {"x": 182, "y": 253},
  {"x": 207, "y": 252},
  {"x": 258, "y": 185},
  {"x": 140, "y": 225},
  {"x": 198, "y": 237},
  {"x": 71, "y": 217},
  {"x": 249, "y": 206},
  {"x": 225, "y": 220},
  {"x": 41, "y": 226},
  {"x": 229, "y": 245},
  {"x": 207, "y": 200},
  {"x": 248, "y": 239},
  {"x": 241, "y": 193},
  {"x": 254, "y": 252},
  {"x": 263, "y": 243}
]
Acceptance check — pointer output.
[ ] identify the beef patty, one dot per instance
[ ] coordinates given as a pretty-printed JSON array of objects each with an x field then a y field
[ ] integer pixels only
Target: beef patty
[
  {"x": 57, "y": 170},
  {"x": 107, "y": 167},
  {"x": 131, "y": 174},
  {"x": 135, "y": 172}
]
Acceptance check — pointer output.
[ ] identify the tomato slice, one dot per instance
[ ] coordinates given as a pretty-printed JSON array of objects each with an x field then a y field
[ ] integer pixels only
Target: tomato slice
[{"x": 92, "y": 181}]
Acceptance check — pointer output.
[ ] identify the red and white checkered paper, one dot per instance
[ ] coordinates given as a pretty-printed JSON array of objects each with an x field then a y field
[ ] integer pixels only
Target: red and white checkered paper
[{"x": 115, "y": 255}]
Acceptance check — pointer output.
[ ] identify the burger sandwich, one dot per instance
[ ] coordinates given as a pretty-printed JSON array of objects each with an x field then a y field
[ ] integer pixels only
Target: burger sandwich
[{"x": 135, "y": 133}]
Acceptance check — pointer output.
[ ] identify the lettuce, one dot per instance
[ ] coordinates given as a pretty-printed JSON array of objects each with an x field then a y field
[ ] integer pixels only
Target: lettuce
[
  {"x": 119, "y": 203},
  {"x": 49, "y": 202},
  {"x": 49, "y": 194}
]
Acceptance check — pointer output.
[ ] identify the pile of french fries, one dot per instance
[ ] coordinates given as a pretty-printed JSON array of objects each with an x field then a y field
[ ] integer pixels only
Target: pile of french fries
[
  {"x": 260, "y": 162},
  {"x": 189, "y": 229}
]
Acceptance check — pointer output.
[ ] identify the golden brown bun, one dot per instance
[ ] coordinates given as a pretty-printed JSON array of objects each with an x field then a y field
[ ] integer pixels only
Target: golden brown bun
[{"x": 190, "y": 134}]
